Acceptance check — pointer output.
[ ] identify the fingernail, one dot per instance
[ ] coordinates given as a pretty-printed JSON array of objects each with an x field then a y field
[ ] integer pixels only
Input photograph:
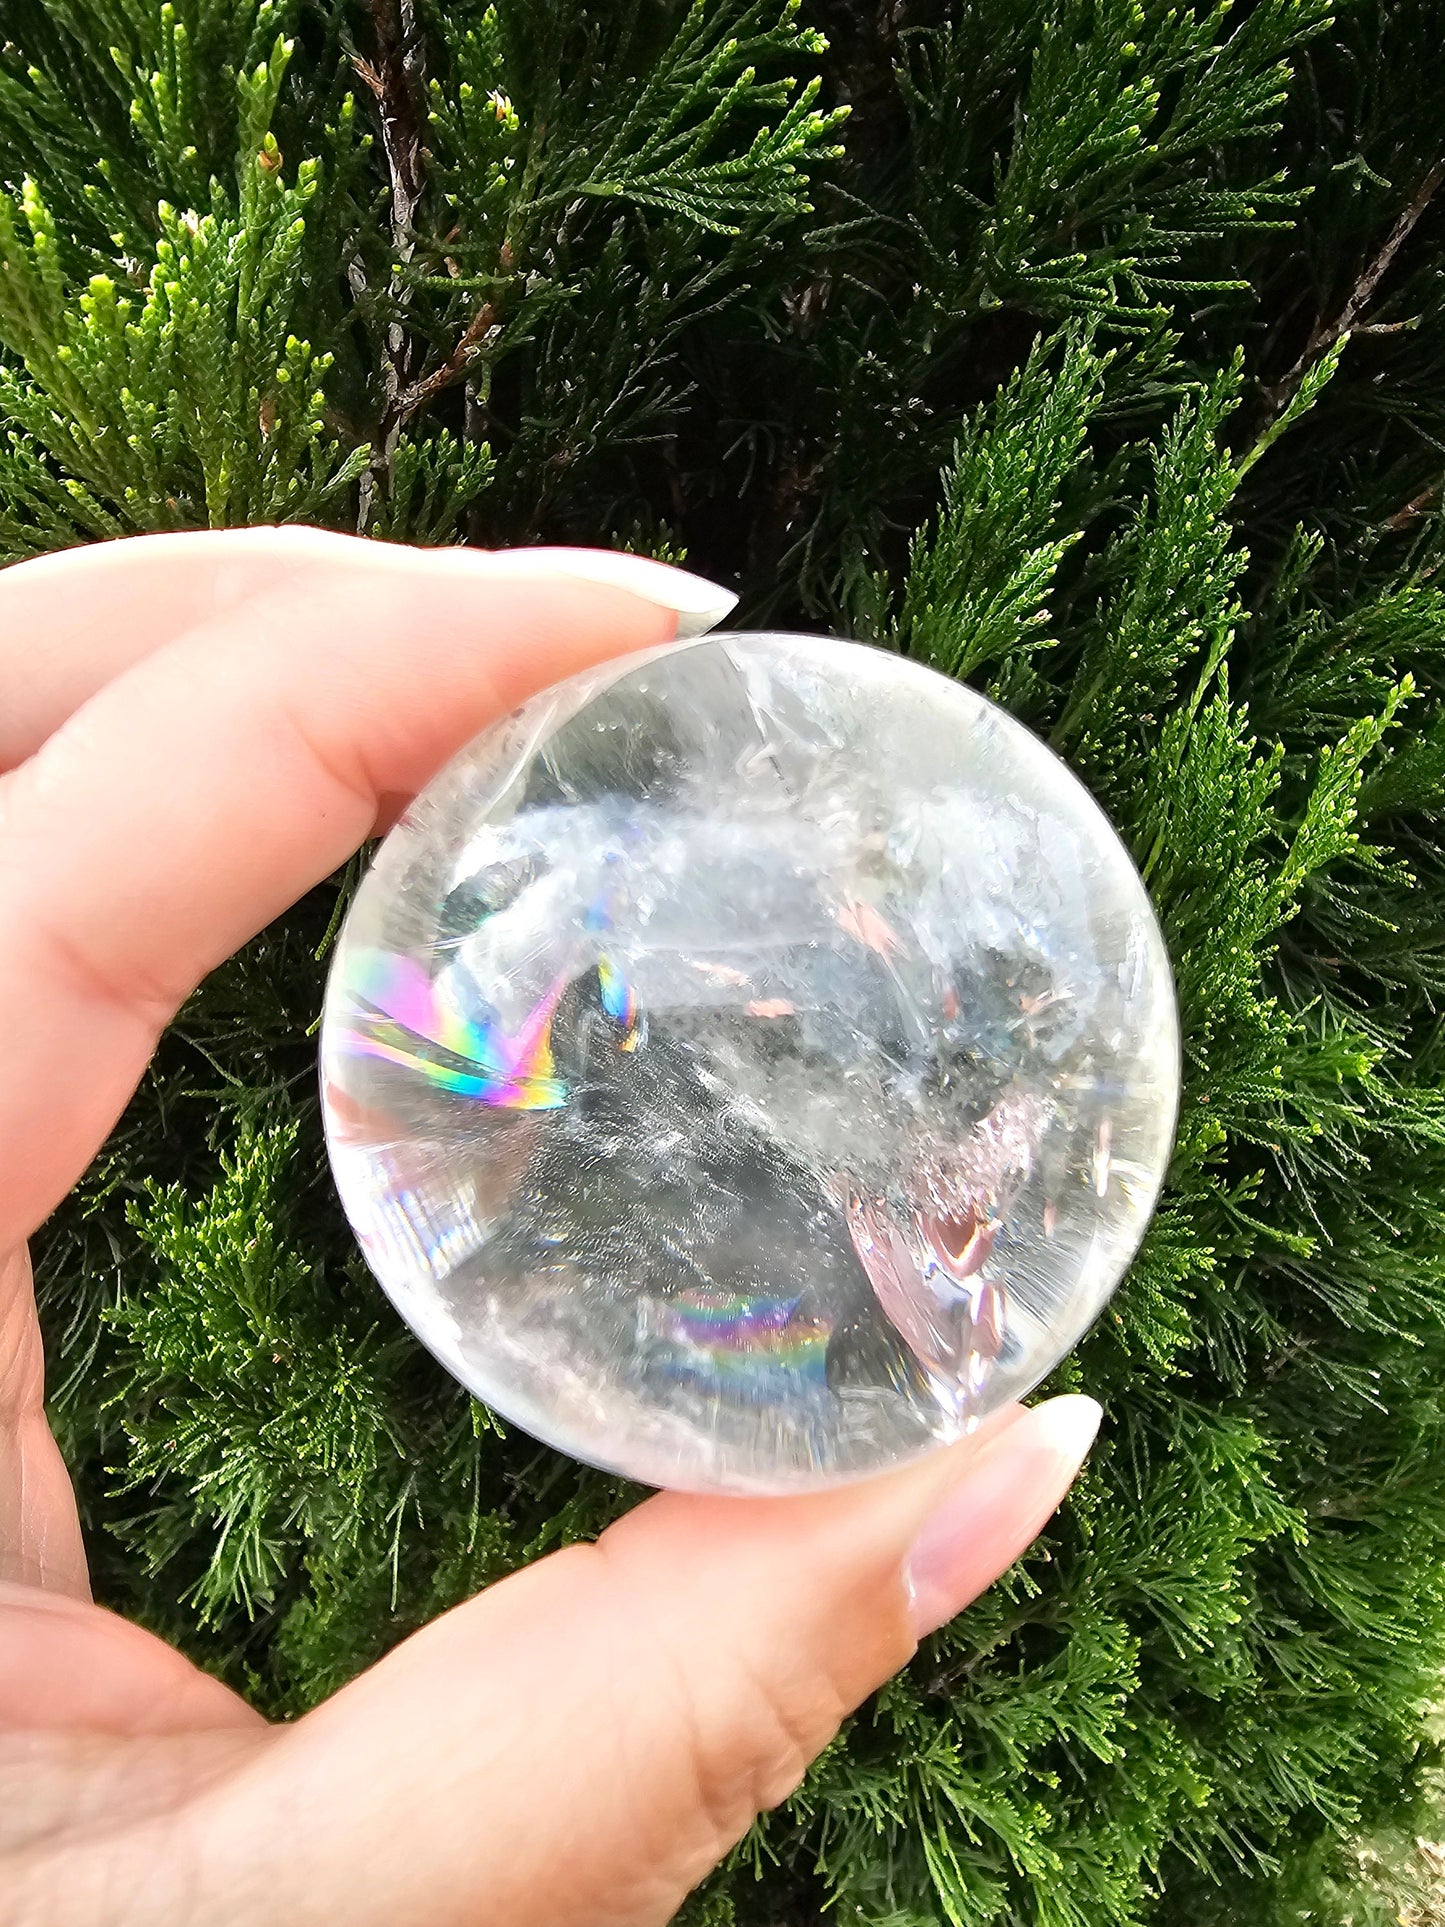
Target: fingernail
[
  {"x": 998, "y": 1505},
  {"x": 698, "y": 604}
]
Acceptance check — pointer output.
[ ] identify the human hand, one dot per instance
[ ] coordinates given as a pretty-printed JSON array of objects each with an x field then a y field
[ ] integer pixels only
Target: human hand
[{"x": 195, "y": 729}]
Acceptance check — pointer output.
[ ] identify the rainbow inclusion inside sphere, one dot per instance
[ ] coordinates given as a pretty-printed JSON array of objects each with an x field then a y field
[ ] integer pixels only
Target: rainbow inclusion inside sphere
[{"x": 747, "y": 1064}]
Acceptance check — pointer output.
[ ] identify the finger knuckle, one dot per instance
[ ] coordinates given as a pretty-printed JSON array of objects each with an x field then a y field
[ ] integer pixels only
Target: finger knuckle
[
  {"x": 21, "y": 1361},
  {"x": 753, "y": 1721}
]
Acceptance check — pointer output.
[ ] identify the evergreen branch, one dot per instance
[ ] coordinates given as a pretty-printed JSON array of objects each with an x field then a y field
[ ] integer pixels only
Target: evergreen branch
[{"x": 978, "y": 584}]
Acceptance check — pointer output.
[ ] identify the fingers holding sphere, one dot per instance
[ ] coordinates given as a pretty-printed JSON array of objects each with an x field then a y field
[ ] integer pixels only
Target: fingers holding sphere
[{"x": 196, "y": 796}]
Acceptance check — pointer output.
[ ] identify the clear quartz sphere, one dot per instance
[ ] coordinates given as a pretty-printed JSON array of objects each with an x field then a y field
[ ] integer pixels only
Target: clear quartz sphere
[{"x": 749, "y": 1063}]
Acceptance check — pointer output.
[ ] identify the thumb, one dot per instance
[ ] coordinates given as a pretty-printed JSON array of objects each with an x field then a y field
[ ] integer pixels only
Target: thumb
[{"x": 582, "y": 1743}]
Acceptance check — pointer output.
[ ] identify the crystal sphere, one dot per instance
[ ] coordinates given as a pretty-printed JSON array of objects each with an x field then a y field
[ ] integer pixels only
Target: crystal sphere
[{"x": 750, "y": 1062}]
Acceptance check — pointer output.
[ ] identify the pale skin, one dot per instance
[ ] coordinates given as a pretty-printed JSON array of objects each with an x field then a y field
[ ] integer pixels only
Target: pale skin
[{"x": 193, "y": 731}]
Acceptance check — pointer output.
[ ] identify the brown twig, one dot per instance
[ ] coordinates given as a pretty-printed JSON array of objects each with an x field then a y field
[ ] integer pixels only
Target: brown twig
[
  {"x": 1325, "y": 334},
  {"x": 1413, "y": 509},
  {"x": 479, "y": 332},
  {"x": 397, "y": 79}
]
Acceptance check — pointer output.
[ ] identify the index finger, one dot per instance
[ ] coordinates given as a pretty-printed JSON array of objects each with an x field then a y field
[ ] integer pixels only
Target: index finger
[
  {"x": 73, "y": 621},
  {"x": 208, "y": 786}
]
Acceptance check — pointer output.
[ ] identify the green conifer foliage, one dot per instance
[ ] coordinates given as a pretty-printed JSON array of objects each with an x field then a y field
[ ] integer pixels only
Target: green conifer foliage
[{"x": 1093, "y": 350}]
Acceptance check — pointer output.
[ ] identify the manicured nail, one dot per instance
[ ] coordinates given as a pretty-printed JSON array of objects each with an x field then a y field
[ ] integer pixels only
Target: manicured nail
[
  {"x": 1000, "y": 1502},
  {"x": 698, "y": 603}
]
